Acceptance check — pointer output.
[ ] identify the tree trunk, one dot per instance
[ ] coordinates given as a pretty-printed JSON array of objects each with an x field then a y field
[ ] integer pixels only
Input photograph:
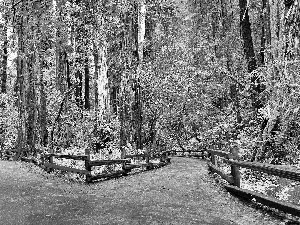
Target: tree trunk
[
  {"x": 226, "y": 24},
  {"x": 103, "y": 81},
  {"x": 96, "y": 74},
  {"x": 31, "y": 104},
  {"x": 78, "y": 89},
  {"x": 246, "y": 36},
  {"x": 265, "y": 32},
  {"x": 67, "y": 65},
  {"x": 59, "y": 50},
  {"x": 234, "y": 90},
  {"x": 43, "y": 113},
  {"x": 139, "y": 118},
  {"x": 291, "y": 30},
  {"x": 4, "y": 58},
  {"x": 275, "y": 14},
  {"x": 249, "y": 53},
  {"x": 86, "y": 84},
  {"x": 141, "y": 29},
  {"x": 122, "y": 121},
  {"x": 214, "y": 26},
  {"x": 21, "y": 138},
  {"x": 138, "y": 89}
]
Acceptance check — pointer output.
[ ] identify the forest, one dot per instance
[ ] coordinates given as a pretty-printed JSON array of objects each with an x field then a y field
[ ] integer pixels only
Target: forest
[{"x": 150, "y": 75}]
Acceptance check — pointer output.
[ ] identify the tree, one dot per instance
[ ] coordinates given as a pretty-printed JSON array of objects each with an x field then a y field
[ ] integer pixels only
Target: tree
[
  {"x": 249, "y": 52},
  {"x": 265, "y": 32},
  {"x": 4, "y": 55}
]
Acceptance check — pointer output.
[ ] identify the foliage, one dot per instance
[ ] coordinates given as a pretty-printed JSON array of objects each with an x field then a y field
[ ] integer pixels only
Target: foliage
[{"x": 195, "y": 85}]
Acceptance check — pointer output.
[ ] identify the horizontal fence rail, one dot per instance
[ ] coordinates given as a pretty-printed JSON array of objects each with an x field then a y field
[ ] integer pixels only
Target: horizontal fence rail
[
  {"x": 269, "y": 169},
  {"x": 265, "y": 200},
  {"x": 126, "y": 164},
  {"x": 234, "y": 178}
]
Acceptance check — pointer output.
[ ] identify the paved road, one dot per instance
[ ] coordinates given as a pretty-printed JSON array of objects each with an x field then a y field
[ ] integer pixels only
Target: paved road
[{"x": 180, "y": 193}]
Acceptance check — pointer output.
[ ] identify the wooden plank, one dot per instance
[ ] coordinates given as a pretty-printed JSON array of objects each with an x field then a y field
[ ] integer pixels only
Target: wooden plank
[
  {"x": 197, "y": 151},
  {"x": 29, "y": 160},
  {"x": 268, "y": 168},
  {"x": 64, "y": 168},
  {"x": 136, "y": 155},
  {"x": 216, "y": 170},
  {"x": 108, "y": 175},
  {"x": 141, "y": 164},
  {"x": 196, "y": 155},
  {"x": 160, "y": 164},
  {"x": 220, "y": 153},
  {"x": 108, "y": 162},
  {"x": 75, "y": 157},
  {"x": 266, "y": 200},
  {"x": 131, "y": 166}
]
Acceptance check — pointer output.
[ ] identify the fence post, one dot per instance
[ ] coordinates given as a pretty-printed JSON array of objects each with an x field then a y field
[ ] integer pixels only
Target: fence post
[
  {"x": 88, "y": 177},
  {"x": 235, "y": 172},
  {"x": 213, "y": 159},
  {"x": 202, "y": 152},
  {"x": 49, "y": 170},
  {"x": 123, "y": 154},
  {"x": 167, "y": 157},
  {"x": 147, "y": 153}
]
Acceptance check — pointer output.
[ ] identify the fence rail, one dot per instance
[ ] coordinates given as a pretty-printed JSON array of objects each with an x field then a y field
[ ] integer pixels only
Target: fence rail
[
  {"x": 234, "y": 178},
  {"x": 268, "y": 168},
  {"x": 127, "y": 166}
]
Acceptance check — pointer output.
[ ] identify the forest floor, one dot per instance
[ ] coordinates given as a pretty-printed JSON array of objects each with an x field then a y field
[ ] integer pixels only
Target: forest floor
[{"x": 180, "y": 193}]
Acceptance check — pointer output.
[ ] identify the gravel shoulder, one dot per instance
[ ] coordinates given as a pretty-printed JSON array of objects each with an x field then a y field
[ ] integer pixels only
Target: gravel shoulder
[{"x": 180, "y": 193}]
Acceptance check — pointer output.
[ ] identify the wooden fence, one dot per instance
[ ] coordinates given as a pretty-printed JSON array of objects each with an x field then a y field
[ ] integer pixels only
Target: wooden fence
[
  {"x": 234, "y": 177},
  {"x": 127, "y": 166},
  {"x": 187, "y": 153}
]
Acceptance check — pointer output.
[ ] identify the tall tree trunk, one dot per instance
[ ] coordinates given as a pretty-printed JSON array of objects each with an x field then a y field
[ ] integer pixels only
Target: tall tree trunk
[
  {"x": 291, "y": 29},
  {"x": 249, "y": 53},
  {"x": 234, "y": 90},
  {"x": 4, "y": 58},
  {"x": 78, "y": 89},
  {"x": 20, "y": 89},
  {"x": 67, "y": 69},
  {"x": 103, "y": 90},
  {"x": 31, "y": 104},
  {"x": 96, "y": 75},
  {"x": 138, "y": 89},
  {"x": 43, "y": 113},
  {"x": 214, "y": 25},
  {"x": 226, "y": 24},
  {"x": 86, "y": 84},
  {"x": 149, "y": 36},
  {"x": 59, "y": 49},
  {"x": 265, "y": 32},
  {"x": 122, "y": 122},
  {"x": 275, "y": 17},
  {"x": 246, "y": 36},
  {"x": 78, "y": 62},
  {"x": 141, "y": 29}
]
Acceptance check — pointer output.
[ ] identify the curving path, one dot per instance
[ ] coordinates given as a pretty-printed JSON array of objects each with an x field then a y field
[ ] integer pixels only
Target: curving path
[{"x": 181, "y": 193}]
